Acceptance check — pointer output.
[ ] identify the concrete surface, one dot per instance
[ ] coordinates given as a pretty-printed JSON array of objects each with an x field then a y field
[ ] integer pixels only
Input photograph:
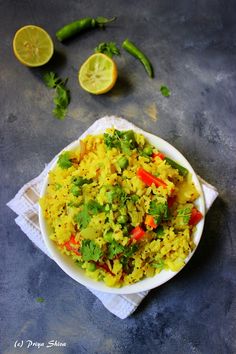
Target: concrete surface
[{"x": 192, "y": 45}]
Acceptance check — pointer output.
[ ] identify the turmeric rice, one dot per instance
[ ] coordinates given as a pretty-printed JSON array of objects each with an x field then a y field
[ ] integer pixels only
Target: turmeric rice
[{"x": 120, "y": 208}]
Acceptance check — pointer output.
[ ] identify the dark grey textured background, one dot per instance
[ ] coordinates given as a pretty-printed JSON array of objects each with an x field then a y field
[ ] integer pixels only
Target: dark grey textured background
[{"x": 192, "y": 45}]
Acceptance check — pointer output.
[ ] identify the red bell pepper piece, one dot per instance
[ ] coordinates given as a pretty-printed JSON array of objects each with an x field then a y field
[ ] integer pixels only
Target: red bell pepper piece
[
  {"x": 137, "y": 233},
  {"x": 149, "y": 179},
  {"x": 158, "y": 154},
  {"x": 196, "y": 216},
  {"x": 150, "y": 221}
]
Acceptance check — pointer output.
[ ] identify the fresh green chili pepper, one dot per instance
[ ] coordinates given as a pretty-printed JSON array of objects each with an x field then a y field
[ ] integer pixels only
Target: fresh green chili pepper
[
  {"x": 131, "y": 48},
  {"x": 182, "y": 170},
  {"x": 78, "y": 26},
  {"x": 129, "y": 136}
]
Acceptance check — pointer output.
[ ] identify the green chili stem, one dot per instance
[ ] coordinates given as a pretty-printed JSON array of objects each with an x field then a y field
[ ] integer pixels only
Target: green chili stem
[{"x": 131, "y": 48}]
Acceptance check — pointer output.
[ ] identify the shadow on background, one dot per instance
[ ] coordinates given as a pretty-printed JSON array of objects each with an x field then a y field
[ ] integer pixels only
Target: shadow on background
[
  {"x": 122, "y": 87},
  {"x": 56, "y": 64}
]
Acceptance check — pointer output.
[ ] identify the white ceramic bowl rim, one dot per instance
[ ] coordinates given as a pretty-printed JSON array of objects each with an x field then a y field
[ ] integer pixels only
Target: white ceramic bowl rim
[{"x": 69, "y": 266}]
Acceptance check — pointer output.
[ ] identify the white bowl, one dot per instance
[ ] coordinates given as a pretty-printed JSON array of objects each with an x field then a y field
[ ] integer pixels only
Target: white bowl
[{"x": 69, "y": 266}]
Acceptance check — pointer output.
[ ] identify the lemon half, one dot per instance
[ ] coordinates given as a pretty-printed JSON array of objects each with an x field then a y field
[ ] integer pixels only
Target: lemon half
[
  {"x": 32, "y": 46},
  {"x": 98, "y": 74}
]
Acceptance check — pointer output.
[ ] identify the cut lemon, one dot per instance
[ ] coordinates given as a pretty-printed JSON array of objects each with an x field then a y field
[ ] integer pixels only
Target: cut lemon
[
  {"x": 32, "y": 46},
  {"x": 98, "y": 74}
]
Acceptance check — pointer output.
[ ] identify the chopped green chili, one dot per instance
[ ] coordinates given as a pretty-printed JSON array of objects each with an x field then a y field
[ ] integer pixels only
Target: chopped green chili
[{"x": 182, "y": 170}]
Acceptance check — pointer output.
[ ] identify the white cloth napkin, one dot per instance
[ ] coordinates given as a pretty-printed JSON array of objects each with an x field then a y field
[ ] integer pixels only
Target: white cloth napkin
[{"x": 25, "y": 205}]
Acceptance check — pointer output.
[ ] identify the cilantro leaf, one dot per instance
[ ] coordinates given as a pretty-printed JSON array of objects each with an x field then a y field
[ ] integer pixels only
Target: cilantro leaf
[
  {"x": 61, "y": 100},
  {"x": 123, "y": 140},
  {"x": 116, "y": 194},
  {"x": 62, "y": 94},
  {"x": 59, "y": 112},
  {"x": 111, "y": 141},
  {"x": 114, "y": 248},
  {"x": 94, "y": 207},
  {"x": 127, "y": 254},
  {"x": 159, "y": 265},
  {"x": 62, "y": 97},
  {"x": 165, "y": 91},
  {"x": 108, "y": 48},
  {"x": 64, "y": 160},
  {"x": 130, "y": 250},
  {"x": 90, "y": 251},
  {"x": 159, "y": 231},
  {"x": 51, "y": 79},
  {"x": 84, "y": 216},
  {"x": 185, "y": 214},
  {"x": 159, "y": 210}
]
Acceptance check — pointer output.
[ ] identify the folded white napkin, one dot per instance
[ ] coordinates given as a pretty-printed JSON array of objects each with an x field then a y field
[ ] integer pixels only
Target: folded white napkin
[{"x": 25, "y": 205}]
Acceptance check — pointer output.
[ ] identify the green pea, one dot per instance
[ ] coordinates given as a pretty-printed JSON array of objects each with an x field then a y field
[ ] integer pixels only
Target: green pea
[
  {"x": 122, "y": 219},
  {"x": 80, "y": 181},
  {"x": 108, "y": 237},
  {"x": 134, "y": 198},
  {"x": 91, "y": 267},
  {"x": 123, "y": 162},
  {"x": 125, "y": 231},
  {"x": 107, "y": 207},
  {"x": 148, "y": 150},
  {"x": 75, "y": 190}
]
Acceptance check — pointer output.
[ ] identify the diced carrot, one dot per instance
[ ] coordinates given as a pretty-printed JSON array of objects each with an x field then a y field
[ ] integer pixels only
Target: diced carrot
[
  {"x": 137, "y": 233},
  {"x": 150, "y": 221}
]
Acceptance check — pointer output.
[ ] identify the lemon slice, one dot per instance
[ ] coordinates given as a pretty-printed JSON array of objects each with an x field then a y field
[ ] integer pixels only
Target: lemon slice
[
  {"x": 32, "y": 46},
  {"x": 98, "y": 74}
]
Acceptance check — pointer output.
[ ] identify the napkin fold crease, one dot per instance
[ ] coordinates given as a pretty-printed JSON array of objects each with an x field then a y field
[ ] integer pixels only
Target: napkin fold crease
[{"x": 25, "y": 205}]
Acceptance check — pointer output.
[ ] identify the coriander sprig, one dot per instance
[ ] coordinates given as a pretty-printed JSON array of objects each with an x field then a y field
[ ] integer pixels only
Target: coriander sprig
[
  {"x": 62, "y": 96},
  {"x": 108, "y": 48},
  {"x": 165, "y": 91}
]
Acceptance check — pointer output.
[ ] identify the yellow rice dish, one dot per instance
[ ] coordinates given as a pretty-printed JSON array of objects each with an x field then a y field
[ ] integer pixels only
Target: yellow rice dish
[{"x": 121, "y": 209}]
